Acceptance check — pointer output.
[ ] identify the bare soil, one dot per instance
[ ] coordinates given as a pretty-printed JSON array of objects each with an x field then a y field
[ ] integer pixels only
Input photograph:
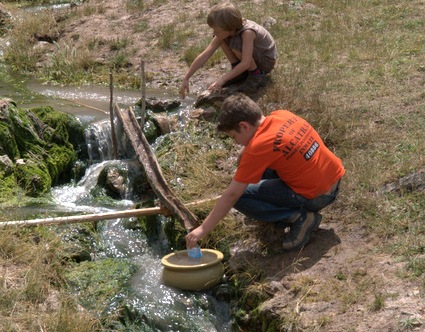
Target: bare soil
[{"x": 341, "y": 268}]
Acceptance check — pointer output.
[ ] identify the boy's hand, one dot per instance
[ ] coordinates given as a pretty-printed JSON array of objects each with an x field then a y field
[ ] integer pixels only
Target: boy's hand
[
  {"x": 184, "y": 88},
  {"x": 193, "y": 237}
]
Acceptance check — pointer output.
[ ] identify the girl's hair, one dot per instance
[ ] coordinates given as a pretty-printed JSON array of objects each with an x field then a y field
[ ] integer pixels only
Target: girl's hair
[
  {"x": 225, "y": 16},
  {"x": 235, "y": 109}
]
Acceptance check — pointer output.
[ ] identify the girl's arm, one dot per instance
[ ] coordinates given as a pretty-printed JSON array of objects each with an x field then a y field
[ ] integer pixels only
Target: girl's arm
[
  {"x": 198, "y": 63},
  {"x": 246, "y": 61}
]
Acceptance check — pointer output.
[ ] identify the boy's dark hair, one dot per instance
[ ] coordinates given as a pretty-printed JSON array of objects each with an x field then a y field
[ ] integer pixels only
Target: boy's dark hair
[
  {"x": 235, "y": 109},
  {"x": 225, "y": 16}
]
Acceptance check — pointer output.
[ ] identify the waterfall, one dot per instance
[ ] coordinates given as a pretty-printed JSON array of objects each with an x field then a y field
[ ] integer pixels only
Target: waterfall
[{"x": 99, "y": 142}]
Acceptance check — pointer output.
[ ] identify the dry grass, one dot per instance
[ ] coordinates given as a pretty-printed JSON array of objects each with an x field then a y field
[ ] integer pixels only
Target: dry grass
[{"x": 31, "y": 263}]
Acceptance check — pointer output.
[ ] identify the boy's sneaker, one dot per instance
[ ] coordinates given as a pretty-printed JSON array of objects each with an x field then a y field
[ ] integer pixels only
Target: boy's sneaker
[
  {"x": 301, "y": 230},
  {"x": 288, "y": 222}
]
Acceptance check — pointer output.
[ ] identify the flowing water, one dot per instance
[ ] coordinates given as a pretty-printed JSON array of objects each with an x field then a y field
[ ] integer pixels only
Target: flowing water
[{"x": 162, "y": 308}]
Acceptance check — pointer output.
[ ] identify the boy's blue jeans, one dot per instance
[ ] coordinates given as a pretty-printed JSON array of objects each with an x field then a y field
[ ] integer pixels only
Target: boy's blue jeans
[{"x": 271, "y": 200}]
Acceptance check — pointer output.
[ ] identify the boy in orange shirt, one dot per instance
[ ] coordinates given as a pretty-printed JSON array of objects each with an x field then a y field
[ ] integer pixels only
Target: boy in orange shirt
[{"x": 285, "y": 174}]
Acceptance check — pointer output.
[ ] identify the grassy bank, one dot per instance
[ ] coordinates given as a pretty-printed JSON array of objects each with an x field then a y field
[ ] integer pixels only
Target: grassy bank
[{"x": 354, "y": 69}]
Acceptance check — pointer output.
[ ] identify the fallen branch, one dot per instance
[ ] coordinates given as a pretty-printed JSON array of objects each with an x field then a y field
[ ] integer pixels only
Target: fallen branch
[{"x": 98, "y": 216}]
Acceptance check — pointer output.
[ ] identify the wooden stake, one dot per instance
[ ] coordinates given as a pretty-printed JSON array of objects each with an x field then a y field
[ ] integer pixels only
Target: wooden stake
[
  {"x": 111, "y": 115},
  {"x": 143, "y": 86}
]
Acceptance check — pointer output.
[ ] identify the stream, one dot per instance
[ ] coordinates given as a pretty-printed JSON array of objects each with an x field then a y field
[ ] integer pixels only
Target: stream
[{"x": 162, "y": 308}]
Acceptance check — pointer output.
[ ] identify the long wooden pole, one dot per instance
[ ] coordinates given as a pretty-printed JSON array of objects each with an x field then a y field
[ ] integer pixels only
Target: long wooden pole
[{"x": 98, "y": 216}]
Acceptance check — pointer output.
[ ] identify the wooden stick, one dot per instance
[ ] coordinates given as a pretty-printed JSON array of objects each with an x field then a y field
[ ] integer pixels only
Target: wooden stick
[
  {"x": 111, "y": 114},
  {"x": 98, "y": 216},
  {"x": 143, "y": 86},
  {"x": 85, "y": 105}
]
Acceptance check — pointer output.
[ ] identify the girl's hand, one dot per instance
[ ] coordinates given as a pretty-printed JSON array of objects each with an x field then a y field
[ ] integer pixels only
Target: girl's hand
[
  {"x": 216, "y": 86},
  {"x": 184, "y": 88}
]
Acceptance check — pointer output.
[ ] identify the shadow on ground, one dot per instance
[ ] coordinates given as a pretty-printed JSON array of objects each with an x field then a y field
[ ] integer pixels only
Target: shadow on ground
[{"x": 251, "y": 255}]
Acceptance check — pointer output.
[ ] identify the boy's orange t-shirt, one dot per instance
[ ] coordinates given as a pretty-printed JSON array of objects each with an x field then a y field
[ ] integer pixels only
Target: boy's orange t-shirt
[{"x": 289, "y": 145}]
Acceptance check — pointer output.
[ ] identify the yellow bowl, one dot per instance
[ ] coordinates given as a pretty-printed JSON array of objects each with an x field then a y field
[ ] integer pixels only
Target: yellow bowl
[{"x": 186, "y": 273}]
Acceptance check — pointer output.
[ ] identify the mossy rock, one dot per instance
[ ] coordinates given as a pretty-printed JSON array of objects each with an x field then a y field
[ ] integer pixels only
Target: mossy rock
[
  {"x": 7, "y": 136},
  {"x": 60, "y": 162},
  {"x": 43, "y": 145},
  {"x": 67, "y": 128},
  {"x": 7, "y": 187},
  {"x": 33, "y": 178},
  {"x": 79, "y": 239}
]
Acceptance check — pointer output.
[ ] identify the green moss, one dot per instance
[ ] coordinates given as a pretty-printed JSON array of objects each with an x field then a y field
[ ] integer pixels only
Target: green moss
[
  {"x": 98, "y": 283},
  {"x": 48, "y": 141},
  {"x": 7, "y": 187},
  {"x": 60, "y": 160},
  {"x": 27, "y": 129},
  {"x": 67, "y": 129},
  {"x": 175, "y": 234},
  {"x": 34, "y": 178},
  {"x": 6, "y": 135}
]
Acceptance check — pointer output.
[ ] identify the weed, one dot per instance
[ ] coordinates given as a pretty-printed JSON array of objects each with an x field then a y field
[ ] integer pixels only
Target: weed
[
  {"x": 378, "y": 303},
  {"x": 192, "y": 52},
  {"x": 141, "y": 26},
  {"x": 135, "y": 5},
  {"x": 408, "y": 324},
  {"x": 118, "y": 44},
  {"x": 32, "y": 261}
]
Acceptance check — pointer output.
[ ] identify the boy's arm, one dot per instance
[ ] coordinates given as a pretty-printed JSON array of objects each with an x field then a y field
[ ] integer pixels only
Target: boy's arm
[
  {"x": 198, "y": 63},
  {"x": 221, "y": 208}
]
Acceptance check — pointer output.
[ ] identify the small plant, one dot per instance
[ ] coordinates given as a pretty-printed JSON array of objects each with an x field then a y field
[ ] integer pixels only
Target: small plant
[
  {"x": 166, "y": 37},
  {"x": 193, "y": 51},
  {"x": 118, "y": 44},
  {"x": 141, "y": 26},
  {"x": 378, "y": 303},
  {"x": 407, "y": 324},
  {"x": 69, "y": 65},
  {"x": 135, "y": 5},
  {"x": 340, "y": 276}
]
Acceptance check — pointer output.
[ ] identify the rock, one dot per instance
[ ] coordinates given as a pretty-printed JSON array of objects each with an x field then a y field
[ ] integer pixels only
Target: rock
[
  {"x": 269, "y": 22},
  {"x": 207, "y": 99},
  {"x": 207, "y": 114},
  {"x": 6, "y": 165},
  {"x": 411, "y": 182},
  {"x": 157, "y": 105},
  {"x": 164, "y": 123}
]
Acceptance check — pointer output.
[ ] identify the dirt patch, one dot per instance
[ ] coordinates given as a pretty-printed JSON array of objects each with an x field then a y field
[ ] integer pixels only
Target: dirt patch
[{"x": 114, "y": 21}]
